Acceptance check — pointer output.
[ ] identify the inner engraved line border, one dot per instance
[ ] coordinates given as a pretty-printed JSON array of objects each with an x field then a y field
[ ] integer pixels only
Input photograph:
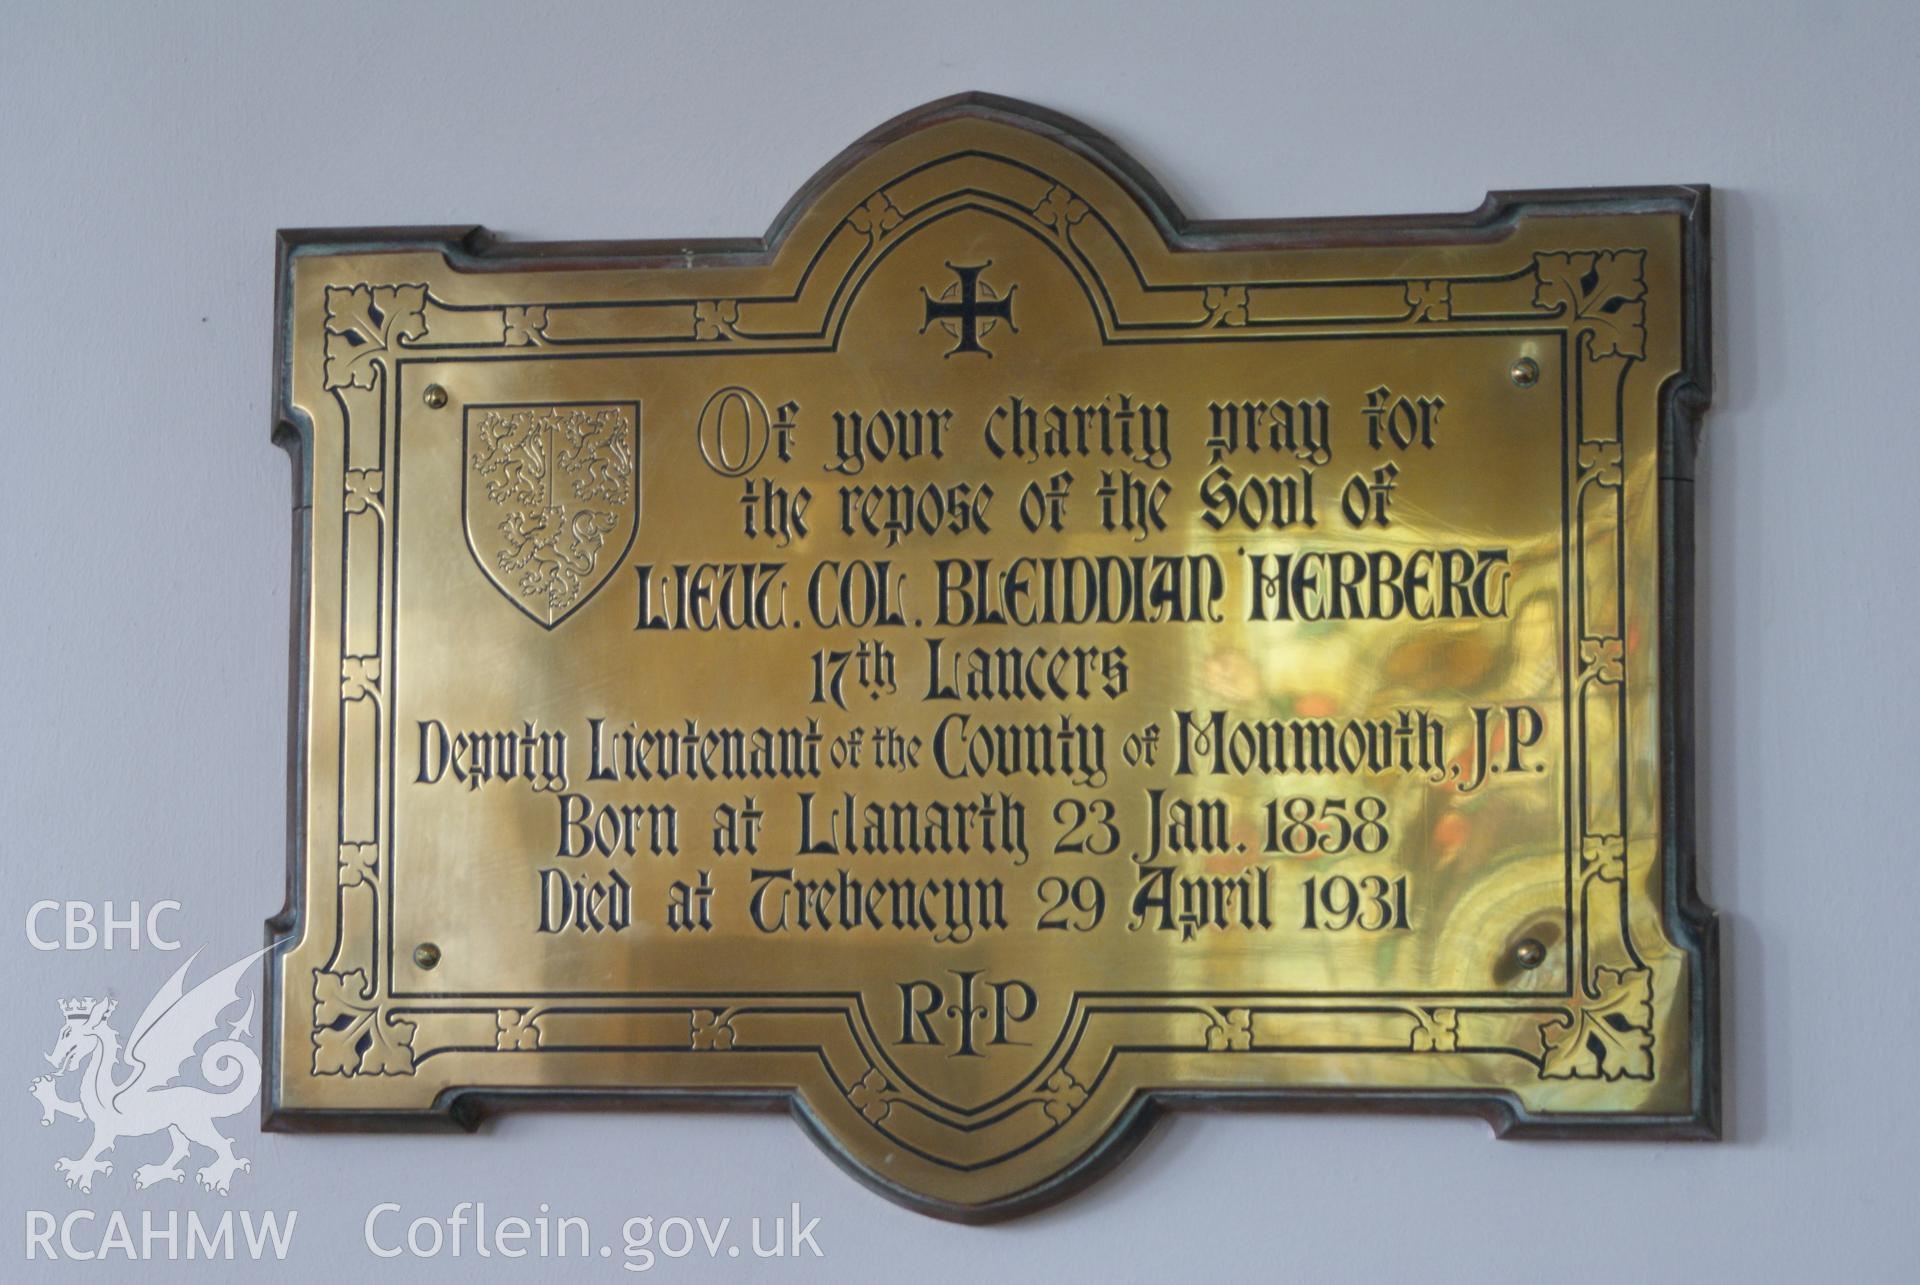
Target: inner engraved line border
[{"x": 1569, "y": 767}]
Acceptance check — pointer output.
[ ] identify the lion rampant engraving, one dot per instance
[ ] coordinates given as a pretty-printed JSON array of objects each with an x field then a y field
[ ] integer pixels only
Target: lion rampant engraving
[{"x": 134, "y": 1094}]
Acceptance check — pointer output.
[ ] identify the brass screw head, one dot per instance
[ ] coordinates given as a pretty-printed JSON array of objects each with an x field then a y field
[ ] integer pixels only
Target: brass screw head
[
  {"x": 435, "y": 397},
  {"x": 1530, "y": 953},
  {"x": 1525, "y": 372},
  {"x": 426, "y": 955}
]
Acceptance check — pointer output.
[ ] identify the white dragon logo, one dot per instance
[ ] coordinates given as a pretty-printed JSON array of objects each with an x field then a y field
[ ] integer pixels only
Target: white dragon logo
[{"x": 145, "y": 1098}]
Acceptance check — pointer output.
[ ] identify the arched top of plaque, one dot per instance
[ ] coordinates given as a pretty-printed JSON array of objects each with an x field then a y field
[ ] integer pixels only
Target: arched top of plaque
[{"x": 995, "y": 657}]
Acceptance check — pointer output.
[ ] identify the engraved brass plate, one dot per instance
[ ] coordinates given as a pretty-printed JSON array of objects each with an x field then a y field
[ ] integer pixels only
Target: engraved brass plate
[{"x": 995, "y": 658}]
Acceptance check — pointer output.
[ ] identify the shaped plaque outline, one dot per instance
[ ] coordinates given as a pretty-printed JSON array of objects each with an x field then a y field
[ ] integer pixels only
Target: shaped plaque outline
[{"x": 384, "y": 1036}]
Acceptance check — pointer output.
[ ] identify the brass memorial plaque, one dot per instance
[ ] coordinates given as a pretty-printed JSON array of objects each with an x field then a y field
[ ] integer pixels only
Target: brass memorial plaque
[{"x": 995, "y": 658}]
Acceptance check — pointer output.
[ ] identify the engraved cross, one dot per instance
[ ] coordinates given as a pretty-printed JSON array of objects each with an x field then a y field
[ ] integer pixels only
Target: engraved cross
[{"x": 969, "y": 309}]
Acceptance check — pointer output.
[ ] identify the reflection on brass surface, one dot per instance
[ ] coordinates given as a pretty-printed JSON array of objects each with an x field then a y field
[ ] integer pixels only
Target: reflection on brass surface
[{"x": 997, "y": 657}]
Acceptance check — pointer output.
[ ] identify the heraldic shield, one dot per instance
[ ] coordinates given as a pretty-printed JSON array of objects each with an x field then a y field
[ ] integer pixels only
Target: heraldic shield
[{"x": 551, "y": 499}]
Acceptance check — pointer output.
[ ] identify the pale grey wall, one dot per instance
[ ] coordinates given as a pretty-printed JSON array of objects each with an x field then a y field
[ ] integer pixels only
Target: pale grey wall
[{"x": 148, "y": 153}]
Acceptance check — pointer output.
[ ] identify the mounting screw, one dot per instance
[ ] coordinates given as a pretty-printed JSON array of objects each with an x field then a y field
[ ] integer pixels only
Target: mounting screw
[
  {"x": 1528, "y": 954},
  {"x": 435, "y": 396},
  {"x": 426, "y": 955},
  {"x": 1525, "y": 372}
]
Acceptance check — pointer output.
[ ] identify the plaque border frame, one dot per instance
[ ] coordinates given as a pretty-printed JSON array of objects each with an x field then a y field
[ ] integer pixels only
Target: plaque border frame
[{"x": 1690, "y": 924}]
